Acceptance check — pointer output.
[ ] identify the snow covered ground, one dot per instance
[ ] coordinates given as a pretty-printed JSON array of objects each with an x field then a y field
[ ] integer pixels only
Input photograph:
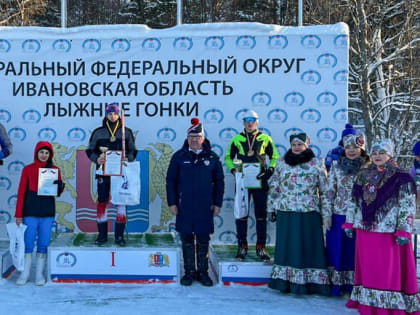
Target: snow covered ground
[{"x": 158, "y": 299}]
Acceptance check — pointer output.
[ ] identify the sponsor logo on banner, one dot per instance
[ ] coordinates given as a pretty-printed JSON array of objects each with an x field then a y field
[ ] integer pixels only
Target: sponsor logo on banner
[
  {"x": 5, "y": 217},
  {"x": 310, "y": 115},
  {"x": 66, "y": 260},
  {"x": 5, "y": 183},
  {"x": 217, "y": 149},
  {"x": 264, "y": 130},
  {"x": 151, "y": 44},
  {"x": 311, "y": 77},
  {"x": 233, "y": 268},
  {"x": 278, "y": 41},
  {"x": 214, "y": 42},
  {"x": 213, "y": 116},
  {"x": 183, "y": 43},
  {"x": 158, "y": 260},
  {"x": 120, "y": 44},
  {"x": 228, "y": 237},
  {"x": 326, "y": 135},
  {"x": 218, "y": 221},
  {"x": 246, "y": 42},
  {"x": 76, "y": 134},
  {"x": 4, "y": 46},
  {"x": 226, "y": 134},
  {"x": 31, "y": 116},
  {"x": 12, "y": 201},
  {"x": 281, "y": 149},
  {"x": 315, "y": 149},
  {"x": 91, "y": 45},
  {"x": 340, "y": 115},
  {"x": 5, "y": 115},
  {"x": 311, "y": 41},
  {"x": 277, "y": 115},
  {"x": 326, "y": 98},
  {"x": 291, "y": 131},
  {"x": 294, "y": 99},
  {"x": 166, "y": 134},
  {"x": 15, "y": 167},
  {"x": 341, "y": 41},
  {"x": 61, "y": 45},
  {"x": 47, "y": 134},
  {"x": 340, "y": 77},
  {"x": 228, "y": 203},
  {"x": 31, "y": 46},
  {"x": 327, "y": 60},
  {"x": 17, "y": 134},
  {"x": 251, "y": 222},
  {"x": 261, "y": 99}
]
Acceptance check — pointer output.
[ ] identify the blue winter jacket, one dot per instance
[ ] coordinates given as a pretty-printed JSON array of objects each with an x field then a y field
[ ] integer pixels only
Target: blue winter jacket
[{"x": 195, "y": 183}]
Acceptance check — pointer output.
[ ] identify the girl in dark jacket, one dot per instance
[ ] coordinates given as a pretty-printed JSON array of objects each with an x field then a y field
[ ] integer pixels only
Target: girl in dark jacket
[{"x": 36, "y": 212}]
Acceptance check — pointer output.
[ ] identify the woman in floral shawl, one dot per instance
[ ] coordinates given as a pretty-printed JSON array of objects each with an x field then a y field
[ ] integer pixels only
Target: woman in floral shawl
[
  {"x": 340, "y": 248},
  {"x": 297, "y": 200},
  {"x": 385, "y": 279}
]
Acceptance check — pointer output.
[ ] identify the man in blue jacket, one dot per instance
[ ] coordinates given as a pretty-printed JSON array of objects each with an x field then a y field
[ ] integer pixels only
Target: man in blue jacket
[
  {"x": 194, "y": 187},
  {"x": 5, "y": 144}
]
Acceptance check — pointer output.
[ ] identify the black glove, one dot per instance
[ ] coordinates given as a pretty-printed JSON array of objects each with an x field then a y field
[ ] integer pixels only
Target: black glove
[
  {"x": 272, "y": 216},
  {"x": 265, "y": 175},
  {"x": 60, "y": 186},
  {"x": 349, "y": 233}
]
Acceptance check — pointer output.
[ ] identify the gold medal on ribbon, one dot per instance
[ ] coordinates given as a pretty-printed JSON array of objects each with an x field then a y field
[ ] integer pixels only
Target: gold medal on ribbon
[
  {"x": 250, "y": 153},
  {"x": 112, "y": 132},
  {"x": 251, "y": 144}
]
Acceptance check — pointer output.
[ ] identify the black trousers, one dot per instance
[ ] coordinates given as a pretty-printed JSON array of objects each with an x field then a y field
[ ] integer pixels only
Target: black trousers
[{"x": 260, "y": 209}]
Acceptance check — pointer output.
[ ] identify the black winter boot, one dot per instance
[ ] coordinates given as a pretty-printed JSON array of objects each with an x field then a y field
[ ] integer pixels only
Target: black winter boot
[
  {"x": 103, "y": 234},
  {"x": 119, "y": 234},
  {"x": 262, "y": 253},
  {"x": 242, "y": 249},
  {"x": 188, "y": 253},
  {"x": 203, "y": 263}
]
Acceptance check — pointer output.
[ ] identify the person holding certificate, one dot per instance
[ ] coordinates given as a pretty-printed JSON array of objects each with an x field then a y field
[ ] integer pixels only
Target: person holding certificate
[
  {"x": 35, "y": 208},
  {"x": 252, "y": 147},
  {"x": 297, "y": 195},
  {"x": 105, "y": 150}
]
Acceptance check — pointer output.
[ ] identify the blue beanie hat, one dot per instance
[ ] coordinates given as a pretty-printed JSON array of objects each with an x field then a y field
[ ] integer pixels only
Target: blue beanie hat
[
  {"x": 416, "y": 149},
  {"x": 349, "y": 131},
  {"x": 112, "y": 108}
]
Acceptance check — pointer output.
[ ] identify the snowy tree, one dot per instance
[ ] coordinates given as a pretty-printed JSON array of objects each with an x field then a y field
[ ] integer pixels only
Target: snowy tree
[
  {"x": 384, "y": 69},
  {"x": 21, "y": 12}
]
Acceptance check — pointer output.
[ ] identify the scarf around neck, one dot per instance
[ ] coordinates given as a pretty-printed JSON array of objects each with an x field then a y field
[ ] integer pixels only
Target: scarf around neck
[{"x": 350, "y": 167}]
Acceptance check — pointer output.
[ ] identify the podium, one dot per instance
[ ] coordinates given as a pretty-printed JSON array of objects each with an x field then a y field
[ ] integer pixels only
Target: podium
[
  {"x": 147, "y": 258},
  {"x": 228, "y": 270},
  {"x": 6, "y": 265}
]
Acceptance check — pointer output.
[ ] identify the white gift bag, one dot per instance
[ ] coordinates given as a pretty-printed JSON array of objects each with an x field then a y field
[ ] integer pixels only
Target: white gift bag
[
  {"x": 241, "y": 197},
  {"x": 125, "y": 189},
  {"x": 17, "y": 244}
]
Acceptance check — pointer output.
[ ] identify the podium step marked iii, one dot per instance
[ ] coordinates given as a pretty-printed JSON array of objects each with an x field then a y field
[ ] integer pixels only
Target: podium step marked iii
[
  {"x": 147, "y": 258},
  {"x": 228, "y": 270},
  {"x": 6, "y": 264}
]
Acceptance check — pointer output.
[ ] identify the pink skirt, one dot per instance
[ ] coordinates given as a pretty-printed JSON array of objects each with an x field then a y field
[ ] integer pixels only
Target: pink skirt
[{"x": 385, "y": 280}]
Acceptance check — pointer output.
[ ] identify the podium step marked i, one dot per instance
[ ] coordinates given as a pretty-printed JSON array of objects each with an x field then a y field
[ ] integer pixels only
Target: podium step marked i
[
  {"x": 147, "y": 258},
  {"x": 6, "y": 264},
  {"x": 228, "y": 270}
]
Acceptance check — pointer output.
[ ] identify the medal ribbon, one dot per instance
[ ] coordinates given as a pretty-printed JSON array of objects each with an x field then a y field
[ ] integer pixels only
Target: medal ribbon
[
  {"x": 251, "y": 145},
  {"x": 112, "y": 132}
]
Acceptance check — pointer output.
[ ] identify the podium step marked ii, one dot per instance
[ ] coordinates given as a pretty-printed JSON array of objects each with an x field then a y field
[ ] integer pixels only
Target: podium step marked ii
[
  {"x": 6, "y": 264},
  {"x": 147, "y": 258},
  {"x": 228, "y": 270}
]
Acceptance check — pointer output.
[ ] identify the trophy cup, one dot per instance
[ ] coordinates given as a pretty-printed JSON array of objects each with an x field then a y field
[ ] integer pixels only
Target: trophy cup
[
  {"x": 238, "y": 165},
  {"x": 100, "y": 170}
]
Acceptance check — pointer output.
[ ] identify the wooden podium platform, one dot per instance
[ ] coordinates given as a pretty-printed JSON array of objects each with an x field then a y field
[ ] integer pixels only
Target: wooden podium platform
[
  {"x": 228, "y": 270},
  {"x": 147, "y": 258},
  {"x": 6, "y": 265}
]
